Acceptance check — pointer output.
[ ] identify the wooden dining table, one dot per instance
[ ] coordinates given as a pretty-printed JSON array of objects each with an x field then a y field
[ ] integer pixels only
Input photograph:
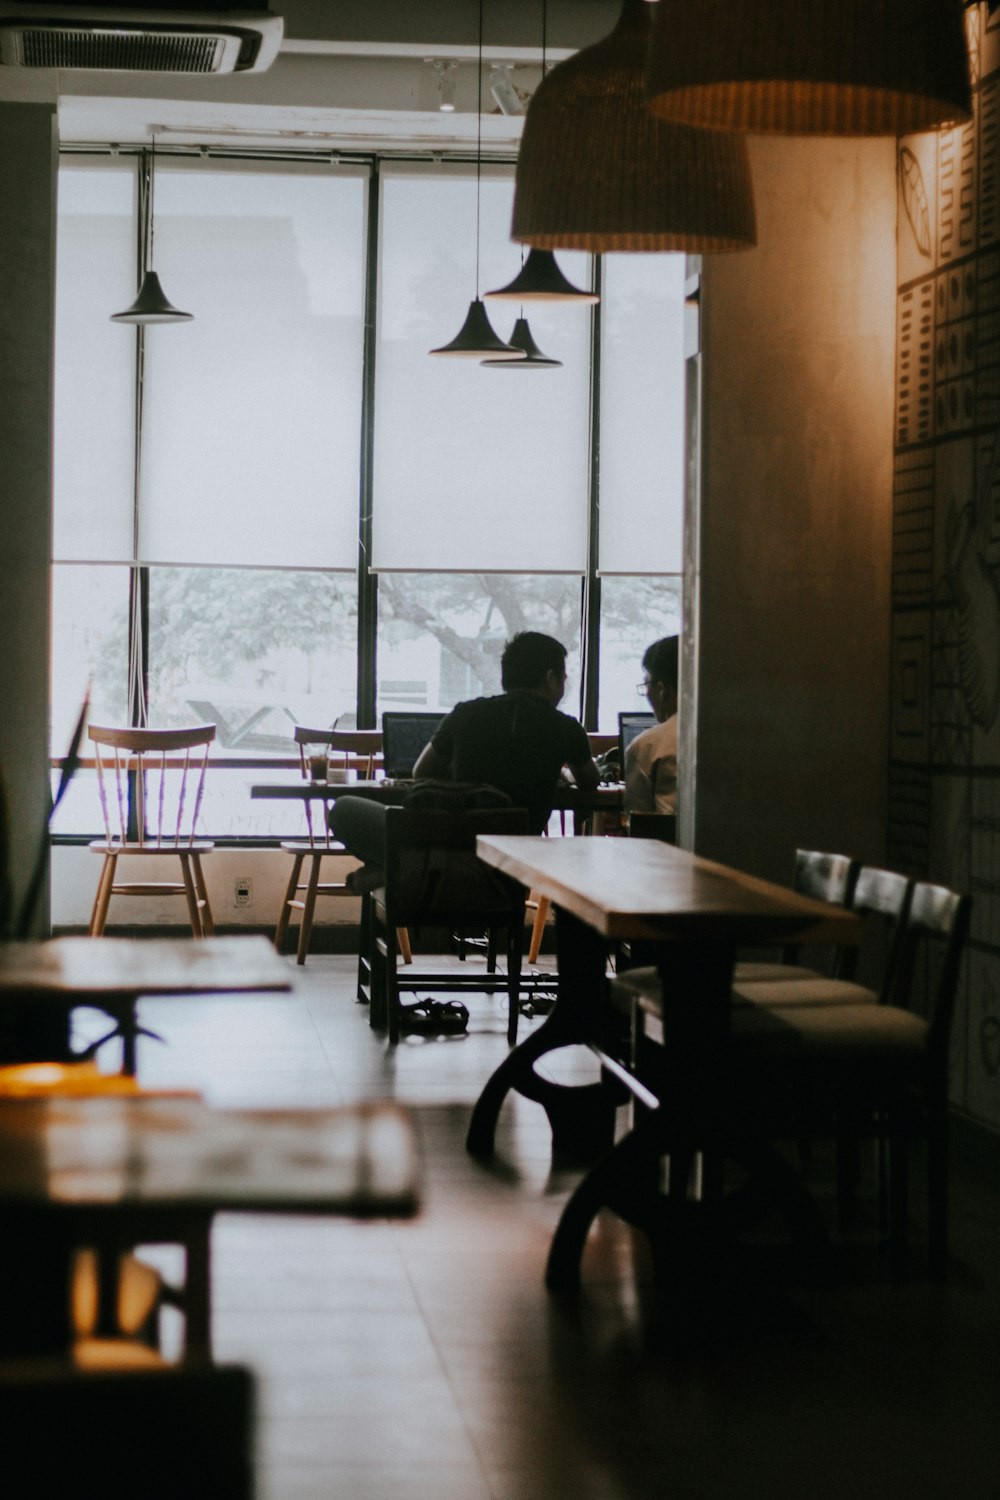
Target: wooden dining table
[
  {"x": 568, "y": 798},
  {"x": 696, "y": 913},
  {"x": 113, "y": 1173},
  {"x": 41, "y": 983}
]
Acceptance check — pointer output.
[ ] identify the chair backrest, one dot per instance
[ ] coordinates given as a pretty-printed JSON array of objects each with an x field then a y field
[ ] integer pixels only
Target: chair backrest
[
  {"x": 341, "y": 749},
  {"x": 936, "y": 916},
  {"x": 600, "y": 744},
  {"x": 653, "y": 825},
  {"x": 825, "y": 877},
  {"x": 354, "y": 749},
  {"x": 151, "y": 782},
  {"x": 881, "y": 893},
  {"x": 431, "y": 868}
]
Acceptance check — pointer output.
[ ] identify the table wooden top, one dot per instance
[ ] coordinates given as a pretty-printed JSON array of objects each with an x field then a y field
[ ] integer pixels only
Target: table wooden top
[
  {"x": 129, "y": 967},
  {"x": 630, "y": 888},
  {"x": 156, "y": 1154},
  {"x": 566, "y": 796}
]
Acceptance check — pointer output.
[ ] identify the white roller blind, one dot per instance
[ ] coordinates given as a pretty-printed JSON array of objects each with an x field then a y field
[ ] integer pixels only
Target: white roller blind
[
  {"x": 252, "y": 413},
  {"x": 94, "y": 402},
  {"x": 642, "y": 414},
  {"x": 475, "y": 469}
]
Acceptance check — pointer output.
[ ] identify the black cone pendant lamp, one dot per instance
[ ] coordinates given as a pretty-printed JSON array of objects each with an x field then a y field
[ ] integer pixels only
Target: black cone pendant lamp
[
  {"x": 533, "y": 359},
  {"x": 541, "y": 278},
  {"x": 151, "y": 305},
  {"x": 476, "y": 339}
]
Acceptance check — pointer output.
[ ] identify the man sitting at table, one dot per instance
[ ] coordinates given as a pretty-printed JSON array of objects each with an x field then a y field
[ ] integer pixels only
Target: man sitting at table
[
  {"x": 517, "y": 741},
  {"x": 651, "y": 759}
]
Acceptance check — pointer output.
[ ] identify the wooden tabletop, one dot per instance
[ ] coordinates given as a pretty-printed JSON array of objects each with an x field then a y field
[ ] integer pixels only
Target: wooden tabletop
[
  {"x": 156, "y": 1154},
  {"x": 129, "y": 967},
  {"x": 630, "y": 888},
  {"x": 566, "y": 796}
]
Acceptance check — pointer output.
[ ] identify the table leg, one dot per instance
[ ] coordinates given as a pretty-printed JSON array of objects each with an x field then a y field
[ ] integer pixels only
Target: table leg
[
  {"x": 582, "y": 1119},
  {"x": 35, "y": 1261},
  {"x": 691, "y": 1234},
  {"x": 198, "y": 1291}
]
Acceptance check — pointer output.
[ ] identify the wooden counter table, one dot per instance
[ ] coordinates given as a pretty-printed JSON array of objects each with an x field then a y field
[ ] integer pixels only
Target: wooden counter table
[{"x": 697, "y": 913}]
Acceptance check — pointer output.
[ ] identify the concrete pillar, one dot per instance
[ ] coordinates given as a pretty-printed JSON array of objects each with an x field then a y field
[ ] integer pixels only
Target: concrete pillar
[
  {"x": 784, "y": 709},
  {"x": 28, "y": 160}
]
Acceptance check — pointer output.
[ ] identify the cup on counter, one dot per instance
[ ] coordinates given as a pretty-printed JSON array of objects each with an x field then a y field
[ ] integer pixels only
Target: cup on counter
[
  {"x": 319, "y": 767},
  {"x": 339, "y": 775}
]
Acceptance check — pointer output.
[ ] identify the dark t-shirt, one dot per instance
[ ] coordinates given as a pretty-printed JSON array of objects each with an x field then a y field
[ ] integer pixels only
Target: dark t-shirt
[{"x": 518, "y": 742}]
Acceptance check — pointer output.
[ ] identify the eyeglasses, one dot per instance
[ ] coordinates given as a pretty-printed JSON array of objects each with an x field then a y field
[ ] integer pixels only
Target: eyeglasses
[{"x": 642, "y": 688}]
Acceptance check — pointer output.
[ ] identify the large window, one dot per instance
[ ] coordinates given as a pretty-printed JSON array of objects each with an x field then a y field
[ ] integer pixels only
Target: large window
[{"x": 223, "y": 487}]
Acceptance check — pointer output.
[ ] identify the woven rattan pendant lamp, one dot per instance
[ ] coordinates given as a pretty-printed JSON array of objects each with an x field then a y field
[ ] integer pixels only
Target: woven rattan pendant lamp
[
  {"x": 810, "y": 67},
  {"x": 476, "y": 338},
  {"x": 597, "y": 171},
  {"x": 151, "y": 305}
]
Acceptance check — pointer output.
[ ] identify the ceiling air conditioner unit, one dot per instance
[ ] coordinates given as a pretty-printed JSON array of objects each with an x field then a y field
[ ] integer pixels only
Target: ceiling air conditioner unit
[{"x": 126, "y": 39}]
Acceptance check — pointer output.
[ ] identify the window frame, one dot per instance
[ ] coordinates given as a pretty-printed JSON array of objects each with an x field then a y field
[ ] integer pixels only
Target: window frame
[{"x": 367, "y": 578}]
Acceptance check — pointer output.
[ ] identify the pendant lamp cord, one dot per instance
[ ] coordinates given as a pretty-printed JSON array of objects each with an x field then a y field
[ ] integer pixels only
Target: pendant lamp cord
[
  {"x": 151, "y": 227},
  {"x": 479, "y": 137}
]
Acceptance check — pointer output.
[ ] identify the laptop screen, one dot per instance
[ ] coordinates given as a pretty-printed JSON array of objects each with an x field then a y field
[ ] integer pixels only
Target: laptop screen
[
  {"x": 404, "y": 735},
  {"x": 629, "y": 725}
]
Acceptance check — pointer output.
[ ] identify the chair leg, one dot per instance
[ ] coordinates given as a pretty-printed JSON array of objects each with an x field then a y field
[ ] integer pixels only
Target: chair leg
[
  {"x": 937, "y": 1193},
  {"x": 308, "y": 908},
  {"x": 390, "y": 989},
  {"x": 205, "y": 906},
  {"x": 515, "y": 939},
  {"x": 538, "y": 928},
  {"x": 190, "y": 891},
  {"x": 102, "y": 900},
  {"x": 897, "y": 1200},
  {"x": 281, "y": 931},
  {"x": 365, "y": 952},
  {"x": 403, "y": 943}
]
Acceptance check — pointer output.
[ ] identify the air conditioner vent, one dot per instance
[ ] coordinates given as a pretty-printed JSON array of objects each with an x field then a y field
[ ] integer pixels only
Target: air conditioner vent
[
  {"x": 121, "y": 41},
  {"x": 118, "y": 51}
]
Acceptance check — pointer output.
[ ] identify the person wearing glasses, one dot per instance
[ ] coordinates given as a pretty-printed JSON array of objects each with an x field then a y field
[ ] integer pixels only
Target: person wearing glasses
[{"x": 651, "y": 759}]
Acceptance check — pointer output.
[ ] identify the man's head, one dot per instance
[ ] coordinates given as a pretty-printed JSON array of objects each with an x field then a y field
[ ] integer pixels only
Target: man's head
[
  {"x": 659, "y": 666},
  {"x": 534, "y": 663}
]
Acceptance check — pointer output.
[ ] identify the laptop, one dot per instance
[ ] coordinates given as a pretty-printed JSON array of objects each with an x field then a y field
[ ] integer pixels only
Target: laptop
[
  {"x": 404, "y": 735},
  {"x": 629, "y": 725}
]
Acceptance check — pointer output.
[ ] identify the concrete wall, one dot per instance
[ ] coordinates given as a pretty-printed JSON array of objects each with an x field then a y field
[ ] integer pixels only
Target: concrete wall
[
  {"x": 789, "y": 550},
  {"x": 944, "y": 762},
  {"x": 27, "y": 279}
]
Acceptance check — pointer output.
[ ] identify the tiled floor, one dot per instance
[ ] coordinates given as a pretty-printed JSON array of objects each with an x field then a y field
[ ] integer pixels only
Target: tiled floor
[{"x": 425, "y": 1360}]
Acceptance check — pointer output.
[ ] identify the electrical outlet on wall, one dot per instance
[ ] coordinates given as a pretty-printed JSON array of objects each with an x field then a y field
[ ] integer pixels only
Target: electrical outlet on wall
[{"x": 243, "y": 893}]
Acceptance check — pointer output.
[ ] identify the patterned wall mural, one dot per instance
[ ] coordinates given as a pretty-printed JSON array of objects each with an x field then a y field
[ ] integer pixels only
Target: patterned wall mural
[{"x": 944, "y": 775}]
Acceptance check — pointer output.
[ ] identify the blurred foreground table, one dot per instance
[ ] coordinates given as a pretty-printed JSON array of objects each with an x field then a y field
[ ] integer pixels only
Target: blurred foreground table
[
  {"x": 116, "y": 1172},
  {"x": 110, "y": 974}
]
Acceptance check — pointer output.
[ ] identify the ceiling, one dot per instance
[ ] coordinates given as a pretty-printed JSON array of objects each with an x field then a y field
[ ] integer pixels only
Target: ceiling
[{"x": 351, "y": 75}]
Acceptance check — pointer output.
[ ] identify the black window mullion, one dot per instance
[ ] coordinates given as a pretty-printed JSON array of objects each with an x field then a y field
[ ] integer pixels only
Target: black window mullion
[
  {"x": 590, "y": 631},
  {"x": 367, "y": 580}
]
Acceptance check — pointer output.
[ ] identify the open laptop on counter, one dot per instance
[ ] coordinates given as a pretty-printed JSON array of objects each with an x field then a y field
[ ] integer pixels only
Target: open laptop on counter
[
  {"x": 404, "y": 736},
  {"x": 629, "y": 726}
]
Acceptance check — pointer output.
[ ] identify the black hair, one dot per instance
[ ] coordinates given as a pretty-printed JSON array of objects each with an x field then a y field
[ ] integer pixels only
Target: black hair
[
  {"x": 659, "y": 661},
  {"x": 526, "y": 659}
]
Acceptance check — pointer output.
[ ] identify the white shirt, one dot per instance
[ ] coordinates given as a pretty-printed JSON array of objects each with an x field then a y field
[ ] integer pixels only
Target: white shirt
[{"x": 651, "y": 769}]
